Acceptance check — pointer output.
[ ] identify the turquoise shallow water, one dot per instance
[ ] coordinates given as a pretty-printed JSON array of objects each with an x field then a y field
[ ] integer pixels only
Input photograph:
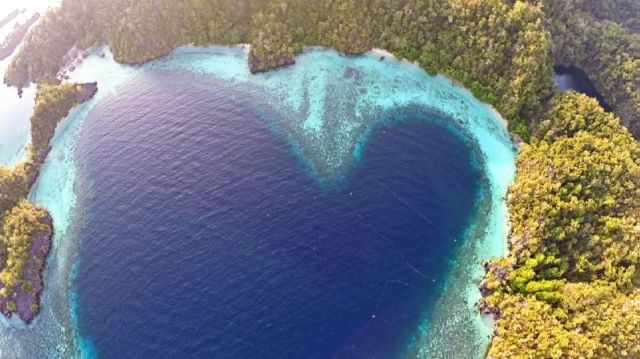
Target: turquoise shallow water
[{"x": 328, "y": 140}]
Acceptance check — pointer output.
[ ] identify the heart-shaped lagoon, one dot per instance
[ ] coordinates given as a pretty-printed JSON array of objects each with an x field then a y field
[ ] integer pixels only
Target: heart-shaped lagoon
[{"x": 320, "y": 210}]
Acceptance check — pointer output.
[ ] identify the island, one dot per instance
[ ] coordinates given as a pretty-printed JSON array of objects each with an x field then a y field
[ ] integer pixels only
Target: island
[
  {"x": 569, "y": 287},
  {"x": 14, "y": 38},
  {"x": 26, "y": 229}
]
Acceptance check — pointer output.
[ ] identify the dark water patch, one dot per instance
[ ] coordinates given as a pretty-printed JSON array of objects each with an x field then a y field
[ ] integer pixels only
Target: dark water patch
[
  {"x": 573, "y": 78},
  {"x": 204, "y": 237}
]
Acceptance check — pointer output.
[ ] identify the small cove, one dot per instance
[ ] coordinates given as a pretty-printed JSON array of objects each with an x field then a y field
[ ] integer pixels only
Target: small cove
[{"x": 573, "y": 78}]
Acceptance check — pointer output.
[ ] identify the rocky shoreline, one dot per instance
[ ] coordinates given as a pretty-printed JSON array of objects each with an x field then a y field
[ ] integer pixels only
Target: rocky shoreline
[{"x": 256, "y": 65}]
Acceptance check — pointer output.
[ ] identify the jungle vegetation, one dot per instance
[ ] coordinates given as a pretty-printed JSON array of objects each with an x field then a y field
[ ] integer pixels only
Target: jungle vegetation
[
  {"x": 569, "y": 286},
  {"x": 497, "y": 49},
  {"x": 20, "y": 220},
  {"x": 20, "y": 224}
]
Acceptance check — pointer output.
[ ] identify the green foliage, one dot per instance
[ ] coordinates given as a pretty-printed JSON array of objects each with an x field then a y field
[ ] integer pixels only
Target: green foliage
[
  {"x": 496, "y": 48},
  {"x": 20, "y": 224},
  {"x": 578, "y": 193},
  {"x": 575, "y": 113},
  {"x": 530, "y": 328},
  {"x": 19, "y": 219},
  {"x": 568, "y": 288},
  {"x": 518, "y": 127},
  {"x": 592, "y": 320},
  {"x": 274, "y": 29},
  {"x": 13, "y": 187},
  {"x": 623, "y": 12},
  {"x": 52, "y": 104},
  {"x": 33, "y": 308}
]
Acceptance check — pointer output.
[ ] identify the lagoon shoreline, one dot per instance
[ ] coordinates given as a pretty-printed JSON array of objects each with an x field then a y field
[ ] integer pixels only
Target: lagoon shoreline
[{"x": 97, "y": 52}]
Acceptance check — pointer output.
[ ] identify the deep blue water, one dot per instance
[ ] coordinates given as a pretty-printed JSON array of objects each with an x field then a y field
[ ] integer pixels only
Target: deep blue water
[
  {"x": 204, "y": 235},
  {"x": 573, "y": 78}
]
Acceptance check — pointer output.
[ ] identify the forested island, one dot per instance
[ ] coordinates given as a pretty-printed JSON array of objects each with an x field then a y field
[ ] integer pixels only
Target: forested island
[
  {"x": 15, "y": 37},
  {"x": 569, "y": 286},
  {"x": 26, "y": 229}
]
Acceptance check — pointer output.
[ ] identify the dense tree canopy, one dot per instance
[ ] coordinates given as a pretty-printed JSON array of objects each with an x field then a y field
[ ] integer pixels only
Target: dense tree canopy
[
  {"x": 569, "y": 284},
  {"x": 602, "y": 38},
  {"x": 20, "y": 223},
  {"x": 497, "y": 49}
]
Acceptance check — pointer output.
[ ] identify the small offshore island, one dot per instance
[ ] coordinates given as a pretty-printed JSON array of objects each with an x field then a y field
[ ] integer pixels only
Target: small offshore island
[{"x": 568, "y": 286}]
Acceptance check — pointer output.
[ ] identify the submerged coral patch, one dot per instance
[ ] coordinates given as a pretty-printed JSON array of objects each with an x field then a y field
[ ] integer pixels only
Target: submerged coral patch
[{"x": 360, "y": 89}]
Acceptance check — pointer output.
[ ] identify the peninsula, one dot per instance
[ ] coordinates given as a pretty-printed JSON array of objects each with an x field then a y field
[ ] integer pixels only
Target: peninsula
[{"x": 26, "y": 229}]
